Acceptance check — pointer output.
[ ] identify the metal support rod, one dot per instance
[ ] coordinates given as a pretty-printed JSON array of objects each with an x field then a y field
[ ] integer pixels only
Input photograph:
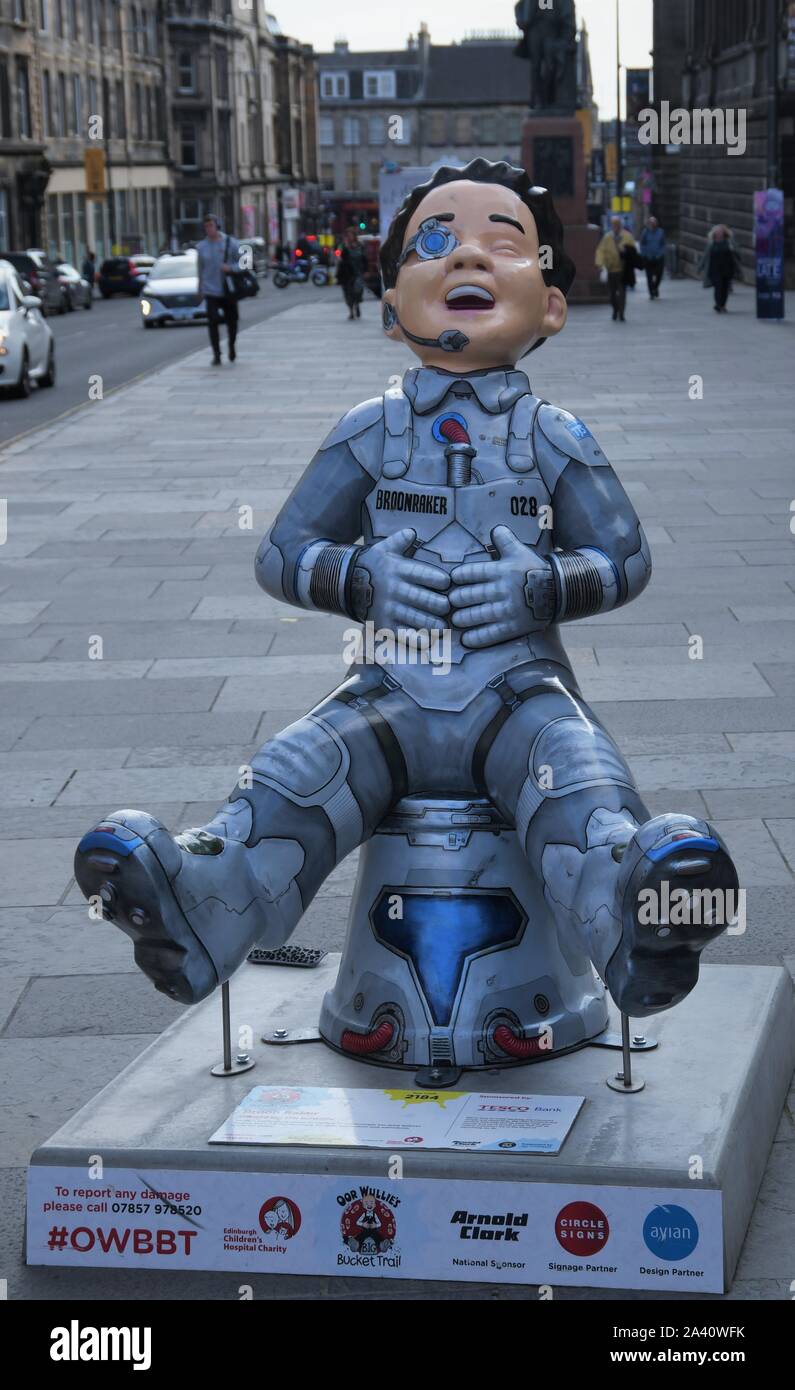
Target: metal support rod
[
  {"x": 626, "y": 1053},
  {"x": 227, "y": 1025},
  {"x": 619, "y": 154}
]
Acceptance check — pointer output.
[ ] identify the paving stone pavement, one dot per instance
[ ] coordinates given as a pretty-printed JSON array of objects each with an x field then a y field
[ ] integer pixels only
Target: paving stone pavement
[{"x": 125, "y": 525}]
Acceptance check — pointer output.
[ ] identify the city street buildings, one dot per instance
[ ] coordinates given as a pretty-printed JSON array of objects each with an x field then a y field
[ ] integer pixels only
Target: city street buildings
[
  {"x": 734, "y": 55},
  {"x": 426, "y": 104},
  {"x": 193, "y": 106}
]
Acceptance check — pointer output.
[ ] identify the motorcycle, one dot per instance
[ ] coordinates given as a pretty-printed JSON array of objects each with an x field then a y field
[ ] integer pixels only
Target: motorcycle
[{"x": 299, "y": 273}]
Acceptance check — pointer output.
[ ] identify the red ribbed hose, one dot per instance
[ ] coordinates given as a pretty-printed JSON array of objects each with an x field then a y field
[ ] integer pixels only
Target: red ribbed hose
[
  {"x": 455, "y": 432},
  {"x": 505, "y": 1038},
  {"x": 375, "y": 1041}
]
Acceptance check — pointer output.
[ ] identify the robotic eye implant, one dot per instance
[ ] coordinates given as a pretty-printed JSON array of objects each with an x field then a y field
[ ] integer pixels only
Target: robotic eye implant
[{"x": 431, "y": 241}]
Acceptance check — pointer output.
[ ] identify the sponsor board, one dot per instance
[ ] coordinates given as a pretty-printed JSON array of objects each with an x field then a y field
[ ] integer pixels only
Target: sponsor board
[{"x": 412, "y": 1228}]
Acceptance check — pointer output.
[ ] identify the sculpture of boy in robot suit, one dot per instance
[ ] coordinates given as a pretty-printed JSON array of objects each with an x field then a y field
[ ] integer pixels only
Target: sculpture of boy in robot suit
[{"x": 426, "y": 509}]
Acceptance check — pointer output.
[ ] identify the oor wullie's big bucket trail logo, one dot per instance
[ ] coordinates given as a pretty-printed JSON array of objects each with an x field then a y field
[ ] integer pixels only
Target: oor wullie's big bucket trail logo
[{"x": 368, "y": 1227}]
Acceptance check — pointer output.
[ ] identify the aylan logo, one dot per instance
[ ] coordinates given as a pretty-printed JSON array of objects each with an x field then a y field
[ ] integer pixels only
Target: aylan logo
[
  {"x": 670, "y": 1232},
  {"x": 582, "y": 1229},
  {"x": 280, "y": 1218}
]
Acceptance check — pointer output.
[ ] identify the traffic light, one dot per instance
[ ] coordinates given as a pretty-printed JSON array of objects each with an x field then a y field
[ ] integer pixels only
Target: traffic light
[{"x": 362, "y": 226}]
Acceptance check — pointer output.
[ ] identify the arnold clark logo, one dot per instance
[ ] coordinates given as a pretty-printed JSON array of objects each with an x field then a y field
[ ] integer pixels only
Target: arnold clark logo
[
  {"x": 701, "y": 126},
  {"x": 480, "y": 1225}
]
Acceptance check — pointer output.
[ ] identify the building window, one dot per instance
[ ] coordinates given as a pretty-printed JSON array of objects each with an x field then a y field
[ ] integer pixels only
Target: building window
[
  {"x": 488, "y": 128},
  {"x": 513, "y": 127},
  {"x": 44, "y": 16},
  {"x": 334, "y": 84},
  {"x": 106, "y": 114},
  {"x": 71, "y": 11},
  {"x": 437, "y": 128},
  {"x": 5, "y": 100},
  {"x": 376, "y": 130},
  {"x": 77, "y": 104},
  {"x": 121, "y": 114},
  {"x": 46, "y": 103},
  {"x": 139, "y": 111},
  {"x": 151, "y": 126},
  {"x": 222, "y": 74},
  {"x": 326, "y": 130},
  {"x": 136, "y": 29},
  {"x": 59, "y": 24},
  {"x": 375, "y": 177},
  {"x": 379, "y": 84},
  {"x": 463, "y": 129},
  {"x": 151, "y": 33},
  {"x": 61, "y": 125},
  {"x": 20, "y": 11},
  {"x": 350, "y": 130},
  {"x": 23, "y": 98},
  {"x": 93, "y": 98},
  {"x": 327, "y": 175},
  {"x": 186, "y": 70},
  {"x": 188, "y": 156},
  {"x": 116, "y": 18}
]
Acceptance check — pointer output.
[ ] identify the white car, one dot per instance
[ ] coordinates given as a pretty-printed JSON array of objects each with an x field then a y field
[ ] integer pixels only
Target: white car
[
  {"x": 171, "y": 293},
  {"x": 27, "y": 347}
]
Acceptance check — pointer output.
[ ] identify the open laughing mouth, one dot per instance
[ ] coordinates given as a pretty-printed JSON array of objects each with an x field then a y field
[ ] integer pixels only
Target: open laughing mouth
[{"x": 469, "y": 297}]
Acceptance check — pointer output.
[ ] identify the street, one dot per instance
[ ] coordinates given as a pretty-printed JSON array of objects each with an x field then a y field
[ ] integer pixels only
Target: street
[
  {"x": 110, "y": 340},
  {"x": 128, "y": 522}
]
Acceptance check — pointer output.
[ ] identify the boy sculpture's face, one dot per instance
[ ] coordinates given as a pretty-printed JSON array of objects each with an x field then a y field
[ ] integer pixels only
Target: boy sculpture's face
[{"x": 487, "y": 284}]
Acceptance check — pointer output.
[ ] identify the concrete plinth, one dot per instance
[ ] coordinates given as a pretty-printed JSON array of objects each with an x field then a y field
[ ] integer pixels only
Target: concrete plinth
[
  {"x": 553, "y": 155},
  {"x": 704, "y": 1124}
]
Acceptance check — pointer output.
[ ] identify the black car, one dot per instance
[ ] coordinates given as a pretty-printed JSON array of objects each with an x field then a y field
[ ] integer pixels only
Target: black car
[
  {"x": 42, "y": 276},
  {"x": 120, "y": 275}
]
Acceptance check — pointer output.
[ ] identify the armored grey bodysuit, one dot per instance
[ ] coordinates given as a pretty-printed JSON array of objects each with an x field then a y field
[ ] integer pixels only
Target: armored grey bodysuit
[{"x": 403, "y": 493}]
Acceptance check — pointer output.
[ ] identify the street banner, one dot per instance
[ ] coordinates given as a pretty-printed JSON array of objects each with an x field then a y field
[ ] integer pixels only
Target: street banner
[
  {"x": 392, "y": 1119},
  {"x": 769, "y": 231},
  {"x": 402, "y": 1228},
  {"x": 94, "y": 169}
]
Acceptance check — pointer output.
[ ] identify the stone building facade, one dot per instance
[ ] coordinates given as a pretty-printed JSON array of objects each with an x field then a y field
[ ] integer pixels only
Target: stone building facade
[{"x": 737, "y": 55}]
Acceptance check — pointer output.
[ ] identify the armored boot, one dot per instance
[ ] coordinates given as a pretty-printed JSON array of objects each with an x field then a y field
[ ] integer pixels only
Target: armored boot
[
  {"x": 193, "y": 904},
  {"x": 677, "y": 889}
]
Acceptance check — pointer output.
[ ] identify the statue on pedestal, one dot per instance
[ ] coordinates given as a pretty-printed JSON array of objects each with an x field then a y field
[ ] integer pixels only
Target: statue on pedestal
[{"x": 549, "y": 43}]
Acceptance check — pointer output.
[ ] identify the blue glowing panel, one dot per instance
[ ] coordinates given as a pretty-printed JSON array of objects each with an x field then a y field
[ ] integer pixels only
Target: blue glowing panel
[{"x": 438, "y": 934}]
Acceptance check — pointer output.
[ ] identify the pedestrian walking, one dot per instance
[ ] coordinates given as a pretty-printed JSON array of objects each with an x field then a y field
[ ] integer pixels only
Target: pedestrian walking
[
  {"x": 615, "y": 255},
  {"x": 652, "y": 249},
  {"x": 88, "y": 270},
  {"x": 219, "y": 256},
  {"x": 719, "y": 265},
  {"x": 350, "y": 273}
]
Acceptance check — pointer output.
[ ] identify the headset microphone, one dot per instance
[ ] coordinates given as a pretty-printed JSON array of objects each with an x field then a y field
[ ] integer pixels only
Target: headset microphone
[{"x": 452, "y": 340}]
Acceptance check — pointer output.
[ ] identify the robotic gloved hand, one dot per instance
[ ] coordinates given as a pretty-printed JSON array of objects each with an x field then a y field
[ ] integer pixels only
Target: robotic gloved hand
[
  {"x": 390, "y": 589},
  {"x": 497, "y": 600}
]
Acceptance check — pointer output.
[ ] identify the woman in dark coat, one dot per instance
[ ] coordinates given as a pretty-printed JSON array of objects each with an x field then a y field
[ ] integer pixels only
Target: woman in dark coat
[
  {"x": 350, "y": 273},
  {"x": 720, "y": 265}
]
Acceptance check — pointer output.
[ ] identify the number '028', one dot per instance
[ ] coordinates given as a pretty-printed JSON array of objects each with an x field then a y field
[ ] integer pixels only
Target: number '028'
[{"x": 524, "y": 506}]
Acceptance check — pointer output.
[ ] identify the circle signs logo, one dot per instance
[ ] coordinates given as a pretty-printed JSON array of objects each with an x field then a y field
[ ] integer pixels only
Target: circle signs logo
[
  {"x": 279, "y": 1217},
  {"x": 671, "y": 1233},
  {"x": 582, "y": 1229}
]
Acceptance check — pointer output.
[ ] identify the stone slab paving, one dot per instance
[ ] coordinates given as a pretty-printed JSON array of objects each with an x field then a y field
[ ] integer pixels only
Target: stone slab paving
[{"x": 124, "y": 523}]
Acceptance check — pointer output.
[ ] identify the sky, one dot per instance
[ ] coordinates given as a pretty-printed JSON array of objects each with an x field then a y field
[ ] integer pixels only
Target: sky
[{"x": 368, "y": 25}]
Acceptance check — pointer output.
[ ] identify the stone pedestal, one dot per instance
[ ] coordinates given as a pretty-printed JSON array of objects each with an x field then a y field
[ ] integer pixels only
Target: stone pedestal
[
  {"x": 553, "y": 155},
  {"x": 167, "y": 1198}
]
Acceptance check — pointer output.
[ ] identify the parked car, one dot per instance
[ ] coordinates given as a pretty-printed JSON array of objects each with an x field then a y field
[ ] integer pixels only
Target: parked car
[
  {"x": 75, "y": 289},
  {"x": 120, "y": 275},
  {"x": 40, "y": 276},
  {"x": 27, "y": 346},
  {"x": 171, "y": 293},
  {"x": 143, "y": 264}
]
